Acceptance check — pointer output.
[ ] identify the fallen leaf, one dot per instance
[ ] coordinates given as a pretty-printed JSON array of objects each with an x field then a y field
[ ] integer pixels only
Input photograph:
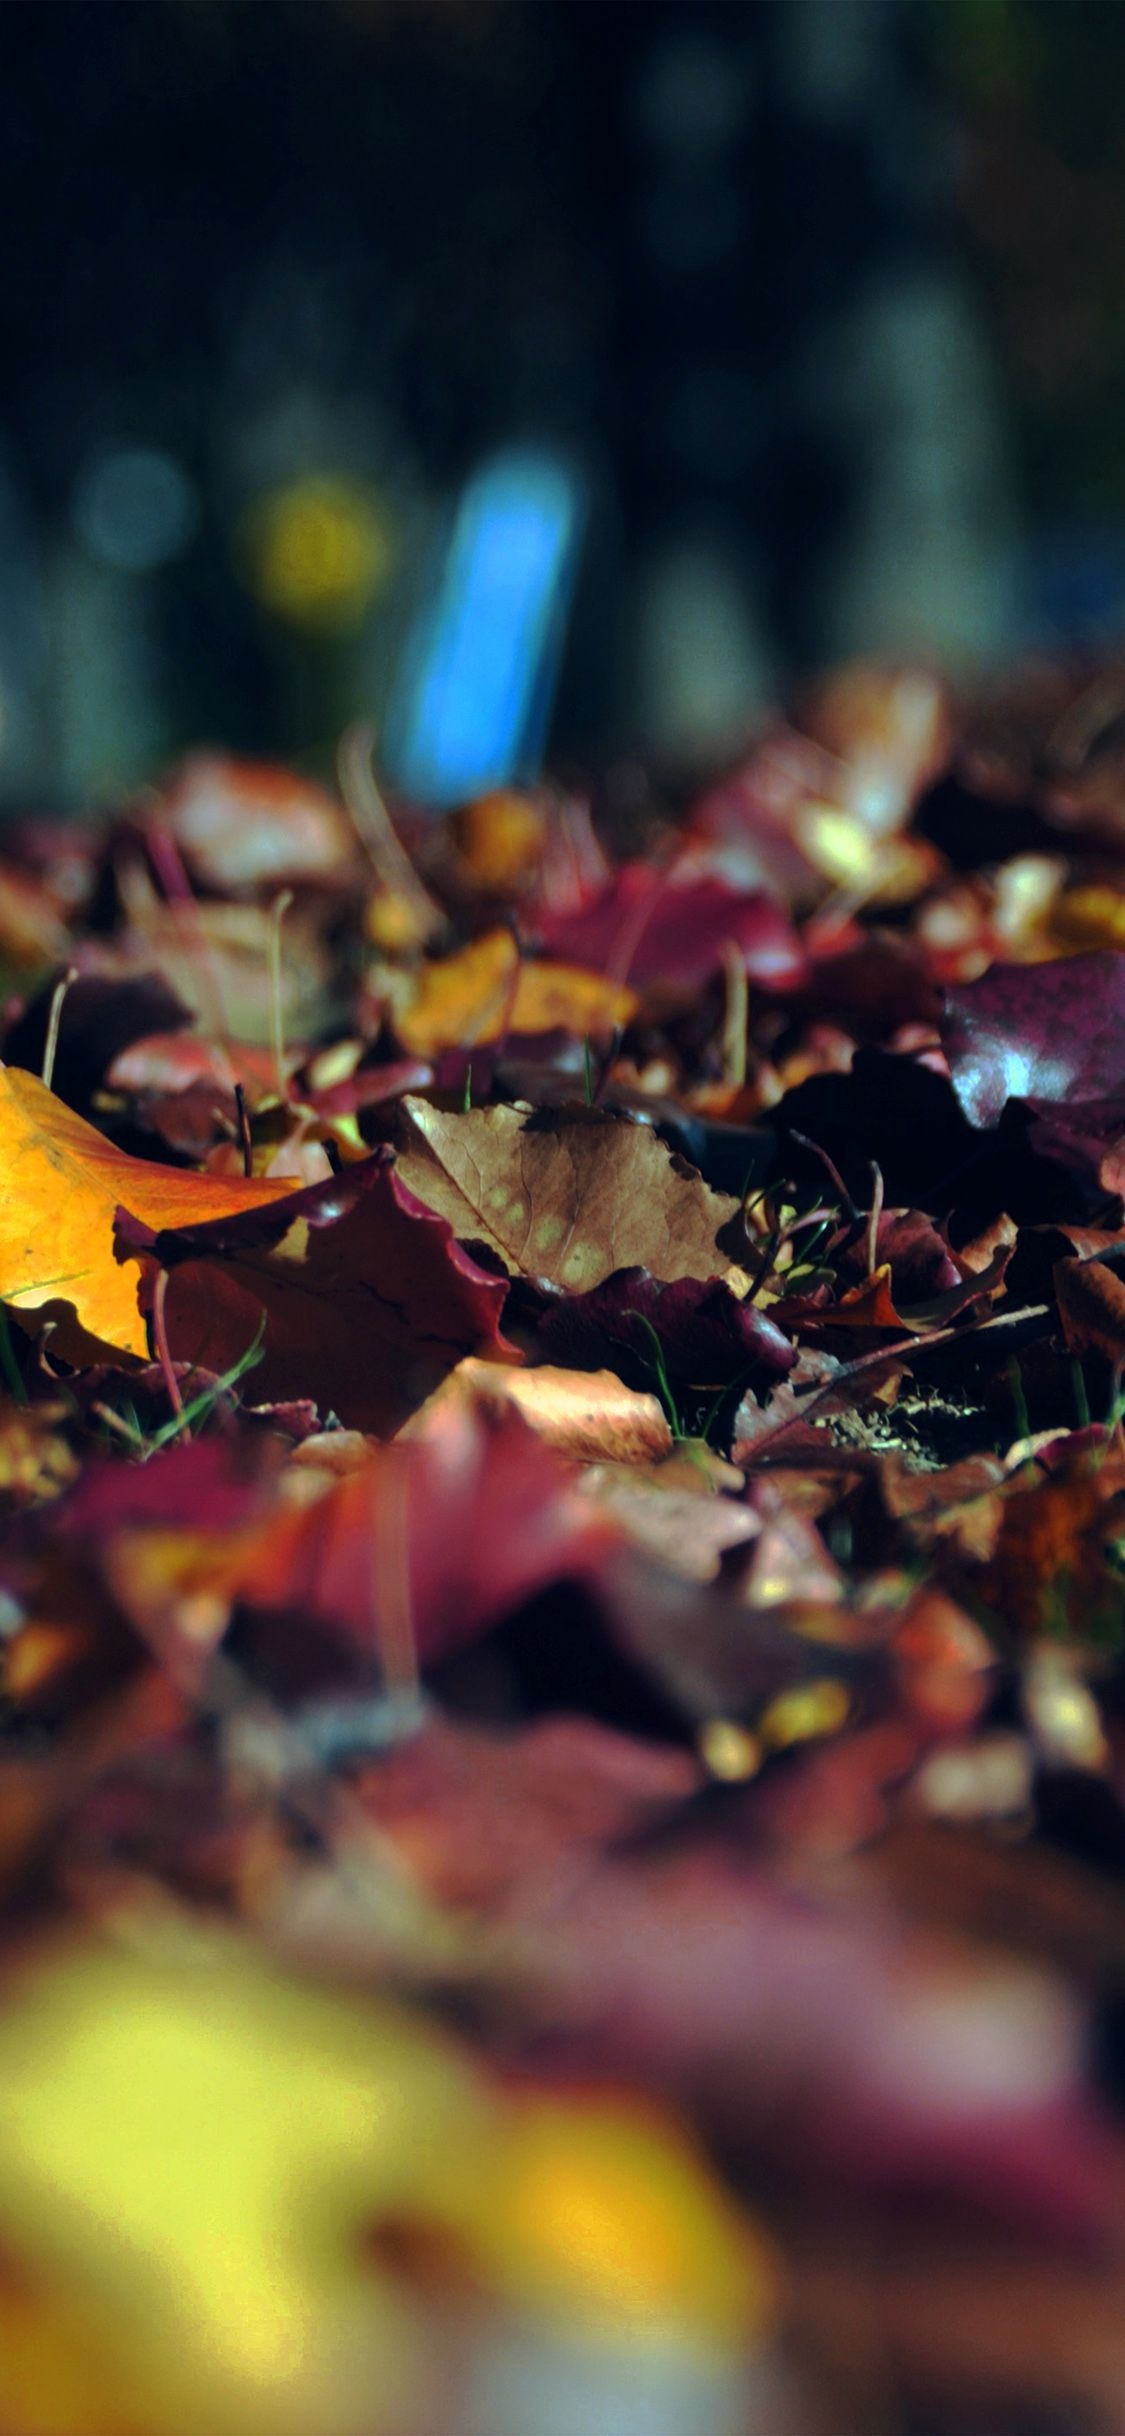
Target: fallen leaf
[
  {"x": 888, "y": 728},
  {"x": 217, "y": 955},
  {"x": 1091, "y": 1300},
  {"x": 669, "y": 929},
  {"x": 587, "y": 1415},
  {"x": 500, "y": 838},
  {"x": 355, "y": 1556},
  {"x": 1048, "y": 1033},
  {"x": 488, "y": 989},
  {"x": 209, "y": 2169},
  {"x": 62, "y": 1184},
  {"x": 715, "y": 1655},
  {"x": 252, "y": 824},
  {"x": 568, "y": 1198},
  {"x": 915, "y": 1252},
  {"x": 36, "y": 1462},
  {"x": 708, "y": 1337},
  {"x": 32, "y": 932},
  {"x": 1052, "y": 1567},
  {"x": 101, "y": 1015},
  {"x": 687, "y": 1528},
  {"x": 172, "y": 1061},
  {"x": 367, "y": 1298},
  {"x": 493, "y": 1821}
]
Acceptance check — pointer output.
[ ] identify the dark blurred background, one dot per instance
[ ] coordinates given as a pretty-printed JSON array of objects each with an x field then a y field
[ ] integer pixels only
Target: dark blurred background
[{"x": 542, "y": 375}]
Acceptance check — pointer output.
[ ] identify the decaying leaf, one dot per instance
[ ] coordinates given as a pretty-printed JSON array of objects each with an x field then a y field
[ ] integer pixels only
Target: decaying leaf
[
  {"x": 1049, "y": 1033},
  {"x": 668, "y": 930},
  {"x": 568, "y": 1198},
  {"x": 708, "y": 1337}
]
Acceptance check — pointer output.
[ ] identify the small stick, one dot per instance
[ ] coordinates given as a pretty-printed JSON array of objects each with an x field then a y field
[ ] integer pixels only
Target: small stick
[
  {"x": 390, "y": 1587},
  {"x": 830, "y": 1166},
  {"x": 374, "y": 828},
  {"x": 735, "y": 1015},
  {"x": 54, "y": 1019},
  {"x": 160, "y": 1339},
  {"x": 244, "y": 1134},
  {"x": 873, "y": 1217},
  {"x": 278, "y": 911}
]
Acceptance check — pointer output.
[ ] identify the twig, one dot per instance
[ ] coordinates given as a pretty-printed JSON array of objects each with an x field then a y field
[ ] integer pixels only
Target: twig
[
  {"x": 54, "y": 1019},
  {"x": 830, "y": 1168},
  {"x": 868, "y": 1366},
  {"x": 874, "y": 1215},
  {"x": 160, "y": 1340},
  {"x": 736, "y": 1009},
  {"x": 244, "y": 1135},
  {"x": 374, "y": 828},
  {"x": 278, "y": 911}
]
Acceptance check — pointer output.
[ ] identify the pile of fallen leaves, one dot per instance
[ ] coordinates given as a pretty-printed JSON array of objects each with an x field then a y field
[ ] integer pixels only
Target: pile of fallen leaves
[{"x": 562, "y": 1594}]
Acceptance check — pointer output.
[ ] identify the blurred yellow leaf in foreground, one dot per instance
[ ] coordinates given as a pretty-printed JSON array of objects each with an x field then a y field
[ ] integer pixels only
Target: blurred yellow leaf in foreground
[{"x": 235, "y": 2203}]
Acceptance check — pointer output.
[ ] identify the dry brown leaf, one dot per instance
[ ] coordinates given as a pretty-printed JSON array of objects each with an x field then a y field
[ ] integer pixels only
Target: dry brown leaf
[
  {"x": 568, "y": 1197},
  {"x": 588, "y": 1415},
  {"x": 251, "y": 824},
  {"x": 1091, "y": 1300},
  {"x": 688, "y": 1529}
]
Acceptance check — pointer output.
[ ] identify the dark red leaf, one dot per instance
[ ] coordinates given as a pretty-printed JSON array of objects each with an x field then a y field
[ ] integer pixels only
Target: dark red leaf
[
  {"x": 368, "y": 1298},
  {"x": 707, "y": 1336},
  {"x": 652, "y": 927},
  {"x": 1048, "y": 1033}
]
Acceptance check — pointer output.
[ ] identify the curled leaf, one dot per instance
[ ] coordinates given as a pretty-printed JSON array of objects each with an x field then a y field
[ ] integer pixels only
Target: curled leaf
[{"x": 367, "y": 1298}]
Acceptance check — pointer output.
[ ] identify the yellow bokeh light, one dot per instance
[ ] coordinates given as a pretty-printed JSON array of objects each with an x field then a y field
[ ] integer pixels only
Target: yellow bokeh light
[{"x": 316, "y": 552}]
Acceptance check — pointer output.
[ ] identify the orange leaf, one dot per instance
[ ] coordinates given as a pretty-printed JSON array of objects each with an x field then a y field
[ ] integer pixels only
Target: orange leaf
[
  {"x": 870, "y": 1305},
  {"x": 62, "y": 1183},
  {"x": 500, "y": 837},
  {"x": 484, "y": 990}
]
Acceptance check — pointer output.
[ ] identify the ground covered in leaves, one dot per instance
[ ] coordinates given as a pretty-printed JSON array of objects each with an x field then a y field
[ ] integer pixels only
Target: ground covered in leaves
[{"x": 562, "y": 1594}]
